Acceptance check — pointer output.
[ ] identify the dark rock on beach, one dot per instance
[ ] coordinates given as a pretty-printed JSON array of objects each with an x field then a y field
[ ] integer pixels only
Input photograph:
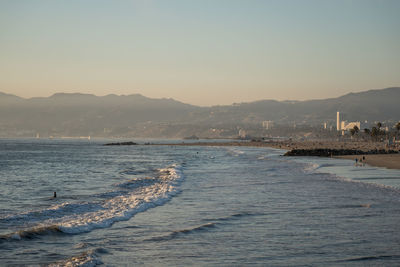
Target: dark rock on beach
[
  {"x": 192, "y": 137},
  {"x": 121, "y": 144},
  {"x": 336, "y": 152}
]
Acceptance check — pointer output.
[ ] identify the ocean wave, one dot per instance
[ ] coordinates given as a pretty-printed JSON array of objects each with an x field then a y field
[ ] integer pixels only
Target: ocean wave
[
  {"x": 55, "y": 211},
  {"x": 234, "y": 216},
  {"x": 87, "y": 259},
  {"x": 134, "y": 171},
  {"x": 185, "y": 231},
  {"x": 314, "y": 168},
  {"x": 376, "y": 179},
  {"x": 375, "y": 258},
  {"x": 137, "y": 182},
  {"x": 347, "y": 206},
  {"x": 31, "y": 232},
  {"x": 310, "y": 167},
  {"x": 234, "y": 151},
  {"x": 213, "y": 223},
  {"x": 125, "y": 206},
  {"x": 365, "y": 183},
  {"x": 78, "y": 218}
]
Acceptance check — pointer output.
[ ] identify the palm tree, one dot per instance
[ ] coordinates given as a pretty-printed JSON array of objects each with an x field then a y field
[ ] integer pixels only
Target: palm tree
[
  {"x": 375, "y": 132},
  {"x": 398, "y": 127},
  {"x": 381, "y": 131},
  {"x": 352, "y": 132},
  {"x": 367, "y": 132}
]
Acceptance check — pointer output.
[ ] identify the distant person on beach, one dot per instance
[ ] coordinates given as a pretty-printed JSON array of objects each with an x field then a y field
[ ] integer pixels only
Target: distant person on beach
[{"x": 55, "y": 195}]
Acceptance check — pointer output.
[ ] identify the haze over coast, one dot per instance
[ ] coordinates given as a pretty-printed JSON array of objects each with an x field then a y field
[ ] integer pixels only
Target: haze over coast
[
  {"x": 199, "y": 133},
  {"x": 139, "y": 116},
  {"x": 174, "y": 69},
  {"x": 203, "y": 53}
]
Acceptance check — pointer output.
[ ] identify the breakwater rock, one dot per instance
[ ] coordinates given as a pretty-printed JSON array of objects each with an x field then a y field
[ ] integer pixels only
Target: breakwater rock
[
  {"x": 121, "y": 144},
  {"x": 326, "y": 152}
]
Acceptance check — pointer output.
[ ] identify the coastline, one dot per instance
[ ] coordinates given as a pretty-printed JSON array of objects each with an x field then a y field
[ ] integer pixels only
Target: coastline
[{"x": 390, "y": 161}]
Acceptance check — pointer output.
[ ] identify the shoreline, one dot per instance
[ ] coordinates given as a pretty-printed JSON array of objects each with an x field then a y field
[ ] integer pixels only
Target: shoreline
[{"x": 389, "y": 161}]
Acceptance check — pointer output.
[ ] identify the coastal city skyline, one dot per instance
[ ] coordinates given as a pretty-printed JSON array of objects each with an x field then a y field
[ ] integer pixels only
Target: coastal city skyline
[{"x": 203, "y": 53}]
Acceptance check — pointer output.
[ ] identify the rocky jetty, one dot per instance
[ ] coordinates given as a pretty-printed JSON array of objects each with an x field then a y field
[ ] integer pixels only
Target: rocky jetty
[
  {"x": 121, "y": 144},
  {"x": 192, "y": 137},
  {"x": 322, "y": 152}
]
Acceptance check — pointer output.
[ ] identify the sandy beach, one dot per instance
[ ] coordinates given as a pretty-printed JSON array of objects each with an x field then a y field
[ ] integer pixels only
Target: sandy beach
[{"x": 390, "y": 161}]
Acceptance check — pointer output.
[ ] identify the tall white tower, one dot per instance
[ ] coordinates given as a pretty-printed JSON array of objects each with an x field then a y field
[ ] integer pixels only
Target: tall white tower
[{"x": 338, "y": 121}]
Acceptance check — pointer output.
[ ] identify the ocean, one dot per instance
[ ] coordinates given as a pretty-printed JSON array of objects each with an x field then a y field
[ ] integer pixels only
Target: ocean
[{"x": 191, "y": 206}]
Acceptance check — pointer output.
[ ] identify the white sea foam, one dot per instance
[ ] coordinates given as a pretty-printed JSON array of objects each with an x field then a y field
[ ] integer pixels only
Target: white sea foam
[
  {"x": 118, "y": 208},
  {"x": 310, "y": 167},
  {"x": 124, "y": 207},
  {"x": 137, "y": 182},
  {"x": 234, "y": 151},
  {"x": 86, "y": 259},
  {"x": 344, "y": 173}
]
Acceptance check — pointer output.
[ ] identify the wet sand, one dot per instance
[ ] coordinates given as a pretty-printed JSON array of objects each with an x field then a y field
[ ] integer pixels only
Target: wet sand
[{"x": 390, "y": 161}]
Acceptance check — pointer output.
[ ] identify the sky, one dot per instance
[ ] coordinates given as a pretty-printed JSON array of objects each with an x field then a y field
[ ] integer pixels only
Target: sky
[{"x": 204, "y": 52}]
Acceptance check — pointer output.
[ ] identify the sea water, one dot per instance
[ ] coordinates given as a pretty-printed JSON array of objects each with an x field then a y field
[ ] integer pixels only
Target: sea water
[{"x": 186, "y": 205}]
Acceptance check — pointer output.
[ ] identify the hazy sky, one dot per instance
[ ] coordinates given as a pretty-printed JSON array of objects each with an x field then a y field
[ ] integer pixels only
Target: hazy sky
[{"x": 199, "y": 52}]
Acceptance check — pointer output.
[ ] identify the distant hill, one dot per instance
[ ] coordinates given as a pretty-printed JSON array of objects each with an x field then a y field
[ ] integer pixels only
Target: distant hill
[
  {"x": 372, "y": 105},
  {"x": 84, "y": 114}
]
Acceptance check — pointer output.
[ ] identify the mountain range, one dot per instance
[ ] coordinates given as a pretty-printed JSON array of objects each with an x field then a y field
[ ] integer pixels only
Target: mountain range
[{"x": 135, "y": 115}]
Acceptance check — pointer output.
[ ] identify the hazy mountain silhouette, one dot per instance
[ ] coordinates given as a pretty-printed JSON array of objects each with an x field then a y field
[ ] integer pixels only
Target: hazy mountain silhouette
[
  {"x": 372, "y": 105},
  {"x": 85, "y": 114},
  {"x": 113, "y": 115}
]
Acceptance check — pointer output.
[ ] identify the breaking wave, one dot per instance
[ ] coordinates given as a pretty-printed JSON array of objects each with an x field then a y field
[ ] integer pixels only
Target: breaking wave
[
  {"x": 87, "y": 259},
  {"x": 70, "y": 218}
]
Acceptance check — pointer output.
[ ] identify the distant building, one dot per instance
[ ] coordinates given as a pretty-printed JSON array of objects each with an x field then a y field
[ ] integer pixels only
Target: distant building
[
  {"x": 344, "y": 125},
  {"x": 338, "y": 121},
  {"x": 347, "y": 126},
  {"x": 267, "y": 124}
]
